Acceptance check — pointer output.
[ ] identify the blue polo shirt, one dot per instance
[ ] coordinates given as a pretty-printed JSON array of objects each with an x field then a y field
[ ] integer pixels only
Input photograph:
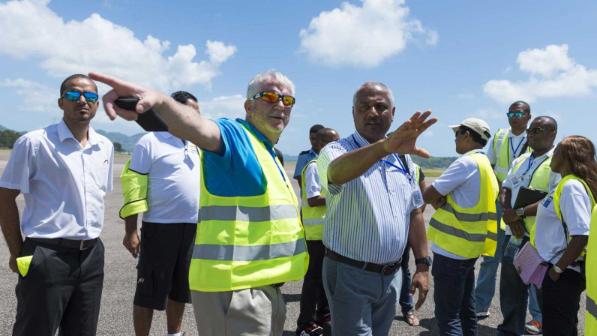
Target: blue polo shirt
[{"x": 235, "y": 171}]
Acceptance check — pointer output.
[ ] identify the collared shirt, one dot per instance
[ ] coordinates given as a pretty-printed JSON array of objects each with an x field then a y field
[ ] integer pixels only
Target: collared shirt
[
  {"x": 368, "y": 218},
  {"x": 463, "y": 181},
  {"x": 235, "y": 171},
  {"x": 63, "y": 182},
  {"x": 575, "y": 205},
  {"x": 302, "y": 160},
  {"x": 522, "y": 177},
  {"x": 172, "y": 166},
  {"x": 516, "y": 143}
]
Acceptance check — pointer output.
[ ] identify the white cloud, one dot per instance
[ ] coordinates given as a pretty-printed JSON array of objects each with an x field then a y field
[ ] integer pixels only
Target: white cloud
[
  {"x": 30, "y": 30},
  {"x": 362, "y": 36},
  {"x": 224, "y": 106},
  {"x": 36, "y": 96},
  {"x": 552, "y": 73}
]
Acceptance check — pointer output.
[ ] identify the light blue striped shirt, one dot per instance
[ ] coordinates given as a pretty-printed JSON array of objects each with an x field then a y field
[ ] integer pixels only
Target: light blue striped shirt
[{"x": 368, "y": 218}]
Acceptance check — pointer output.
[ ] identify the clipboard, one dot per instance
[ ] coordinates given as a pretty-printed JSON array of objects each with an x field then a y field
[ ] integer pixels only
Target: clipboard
[{"x": 528, "y": 196}]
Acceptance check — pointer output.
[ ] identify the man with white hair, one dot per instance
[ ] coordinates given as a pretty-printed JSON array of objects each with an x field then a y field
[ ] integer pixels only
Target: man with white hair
[{"x": 249, "y": 238}]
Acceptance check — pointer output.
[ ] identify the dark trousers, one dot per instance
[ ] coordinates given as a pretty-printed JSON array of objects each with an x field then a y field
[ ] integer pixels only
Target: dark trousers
[
  {"x": 561, "y": 301},
  {"x": 62, "y": 289},
  {"x": 406, "y": 300},
  {"x": 314, "y": 304},
  {"x": 454, "y": 286}
]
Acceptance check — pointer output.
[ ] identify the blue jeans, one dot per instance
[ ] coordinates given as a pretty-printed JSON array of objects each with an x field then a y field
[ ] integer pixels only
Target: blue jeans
[
  {"x": 361, "y": 302},
  {"x": 406, "y": 299},
  {"x": 485, "y": 288},
  {"x": 454, "y": 284},
  {"x": 514, "y": 295}
]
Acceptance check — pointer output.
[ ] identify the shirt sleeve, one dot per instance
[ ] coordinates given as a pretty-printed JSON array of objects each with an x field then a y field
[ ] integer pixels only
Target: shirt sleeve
[
  {"x": 141, "y": 157},
  {"x": 326, "y": 156},
  {"x": 457, "y": 173},
  {"x": 490, "y": 152},
  {"x": 575, "y": 205},
  {"x": 20, "y": 167},
  {"x": 300, "y": 163},
  {"x": 312, "y": 181}
]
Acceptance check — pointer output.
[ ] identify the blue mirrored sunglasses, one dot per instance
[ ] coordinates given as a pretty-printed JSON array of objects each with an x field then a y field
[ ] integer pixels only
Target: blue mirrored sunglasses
[
  {"x": 74, "y": 96},
  {"x": 515, "y": 114}
]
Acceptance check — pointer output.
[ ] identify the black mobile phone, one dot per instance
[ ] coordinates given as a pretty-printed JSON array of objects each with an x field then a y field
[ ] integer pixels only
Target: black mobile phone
[{"x": 149, "y": 120}]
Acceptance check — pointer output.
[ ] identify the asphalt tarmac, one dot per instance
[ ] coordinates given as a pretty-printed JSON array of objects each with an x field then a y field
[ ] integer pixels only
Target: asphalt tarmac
[{"x": 120, "y": 276}]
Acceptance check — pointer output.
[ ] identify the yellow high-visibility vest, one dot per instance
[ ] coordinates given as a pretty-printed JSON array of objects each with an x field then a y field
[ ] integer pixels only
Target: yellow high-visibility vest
[
  {"x": 313, "y": 217},
  {"x": 249, "y": 241},
  {"x": 469, "y": 232},
  {"x": 501, "y": 149},
  {"x": 539, "y": 181},
  {"x": 134, "y": 191},
  {"x": 591, "y": 274},
  {"x": 558, "y": 193}
]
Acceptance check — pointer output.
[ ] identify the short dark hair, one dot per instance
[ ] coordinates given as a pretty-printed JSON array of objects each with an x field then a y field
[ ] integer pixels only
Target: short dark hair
[
  {"x": 315, "y": 128},
  {"x": 476, "y": 136},
  {"x": 525, "y": 106},
  {"x": 65, "y": 82},
  {"x": 183, "y": 96},
  {"x": 550, "y": 120}
]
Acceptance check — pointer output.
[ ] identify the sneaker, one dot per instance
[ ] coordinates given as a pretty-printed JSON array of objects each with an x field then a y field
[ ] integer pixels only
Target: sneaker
[
  {"x": 326, "y": 323},
  {"x": 312, "y": 329},
  {"x": 482, "y": 315},
  {"x": 533, "y": 327}
]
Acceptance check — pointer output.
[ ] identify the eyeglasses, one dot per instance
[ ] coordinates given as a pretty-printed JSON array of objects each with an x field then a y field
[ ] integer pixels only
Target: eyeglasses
[
  {"x": 515, "y": 114},
  {"x": 538, "y": 130},
  {"x": 74, "y": 96},
  {"x": 274, "y": 97}
]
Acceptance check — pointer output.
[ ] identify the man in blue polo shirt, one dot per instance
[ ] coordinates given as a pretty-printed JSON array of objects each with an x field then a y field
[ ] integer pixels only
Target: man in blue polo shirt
[{"x": 306, "y": 156}]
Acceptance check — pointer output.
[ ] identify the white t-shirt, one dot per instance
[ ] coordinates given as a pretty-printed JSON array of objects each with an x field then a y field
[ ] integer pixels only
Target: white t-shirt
[
  {"x": 173, "y": 168},
  {"x": 516, "y": 143},
  {"x": 575, "y": 206},
  {"x": 312, "y": 180},
  {"x": 463, "y": 180},
  {"x": 522, "y": 177}
]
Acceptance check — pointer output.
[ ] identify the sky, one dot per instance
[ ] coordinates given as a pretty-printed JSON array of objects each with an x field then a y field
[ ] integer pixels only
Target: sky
[{"x": 458, "y": 58}]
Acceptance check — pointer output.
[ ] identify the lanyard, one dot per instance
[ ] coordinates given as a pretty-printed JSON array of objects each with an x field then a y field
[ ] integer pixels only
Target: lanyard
[
  {"x": 531, "y": 160},
  {"x": 515, "y": 150},
  {"x": 402, "y": 169}
]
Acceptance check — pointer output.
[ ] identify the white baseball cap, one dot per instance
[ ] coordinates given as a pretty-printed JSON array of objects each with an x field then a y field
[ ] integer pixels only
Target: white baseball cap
[{"x": 477, "y": 125}]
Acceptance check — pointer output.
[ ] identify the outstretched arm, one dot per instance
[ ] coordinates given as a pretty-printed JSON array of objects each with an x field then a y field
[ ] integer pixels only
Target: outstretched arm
[
  {"x": 182, "y": 120},
  {"x": 403, "y": 141}
]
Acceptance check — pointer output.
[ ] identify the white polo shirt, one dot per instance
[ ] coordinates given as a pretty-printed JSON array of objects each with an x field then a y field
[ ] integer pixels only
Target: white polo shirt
[
  {"x": 575, "y": 206},
  {"x": 522, "y": 177},
  {"x": 463, "y": 181},
  {"x": 63, "y": 183},
  {"x": 173, "y": 169}
]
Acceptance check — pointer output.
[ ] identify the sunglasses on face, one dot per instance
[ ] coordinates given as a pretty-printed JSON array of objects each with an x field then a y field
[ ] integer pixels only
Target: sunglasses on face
[
  {"x": 538, "y": 130},
  {"x": 90, "y": 97},
  {"x": 274, "y": 97},
  {"x": 515, "y": 114}
]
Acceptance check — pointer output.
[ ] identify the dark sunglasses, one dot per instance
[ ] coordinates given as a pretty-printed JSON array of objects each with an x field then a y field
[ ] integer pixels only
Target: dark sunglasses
[
  {"x": 90, "y": 97},
  {"x": 274, "y": 97},
  {"x": 538, "y": 130},
  {"x": 515, "y": 114}
]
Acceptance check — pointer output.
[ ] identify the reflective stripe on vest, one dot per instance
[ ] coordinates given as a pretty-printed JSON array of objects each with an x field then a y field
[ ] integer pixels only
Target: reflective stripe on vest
[
  {"x": 313, "y": 217},
  {"x": 539, "y": 181},
  {"x": 134, "y": 192},
  {"x": 469, "y": 232},
  {"x": 249, "y": 241},
  {"x": 591, "y": 275}
]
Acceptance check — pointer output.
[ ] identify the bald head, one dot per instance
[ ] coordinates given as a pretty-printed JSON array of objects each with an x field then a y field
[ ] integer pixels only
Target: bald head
[
  {"x": 374, "y": 86},
  {"x": 326, "y": 135}
]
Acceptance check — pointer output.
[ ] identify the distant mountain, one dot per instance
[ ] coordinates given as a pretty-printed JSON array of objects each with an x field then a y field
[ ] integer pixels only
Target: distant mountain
[
  {"x": 127, "y": 141},
  {"x": 2, "y": 128}
]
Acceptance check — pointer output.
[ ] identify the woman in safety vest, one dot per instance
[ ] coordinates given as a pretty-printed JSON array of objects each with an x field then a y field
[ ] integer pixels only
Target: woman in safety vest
[{"x": 562, "y": 231}]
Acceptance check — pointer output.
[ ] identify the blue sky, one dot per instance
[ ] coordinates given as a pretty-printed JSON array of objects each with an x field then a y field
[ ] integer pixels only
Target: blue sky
[{"x": 458, "y": 58}]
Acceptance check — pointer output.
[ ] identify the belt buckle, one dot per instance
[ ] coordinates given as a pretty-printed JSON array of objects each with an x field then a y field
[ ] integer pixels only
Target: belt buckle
[{"x": 388, "y": 269}]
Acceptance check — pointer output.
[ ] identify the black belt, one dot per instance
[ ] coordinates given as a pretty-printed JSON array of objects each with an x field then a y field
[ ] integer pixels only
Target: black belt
[
  {"x": 385, "y": 269},
  {"x": 67, "y": 243}
]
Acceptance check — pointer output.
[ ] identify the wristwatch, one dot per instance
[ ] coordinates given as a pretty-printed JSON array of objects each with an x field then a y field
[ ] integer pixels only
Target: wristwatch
[
  {"x": 520, "y": 212},
  {"x": 557, "y": 269},
  {"x": 423, "y": 261}
]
